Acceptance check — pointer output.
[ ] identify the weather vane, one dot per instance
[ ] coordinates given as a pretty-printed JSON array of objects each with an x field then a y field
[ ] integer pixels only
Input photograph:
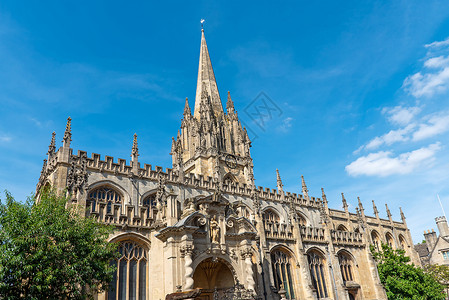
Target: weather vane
[{"x": 202, "y": 21}]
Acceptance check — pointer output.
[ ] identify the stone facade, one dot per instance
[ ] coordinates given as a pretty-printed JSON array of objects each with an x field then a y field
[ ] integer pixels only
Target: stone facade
[
  {"x": 203, "y": 229},
  {"x": 435, "y": 250}
]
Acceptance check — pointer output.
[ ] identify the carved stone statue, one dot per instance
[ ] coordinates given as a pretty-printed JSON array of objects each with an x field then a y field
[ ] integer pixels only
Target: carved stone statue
[{"x": 214, "y": 230}]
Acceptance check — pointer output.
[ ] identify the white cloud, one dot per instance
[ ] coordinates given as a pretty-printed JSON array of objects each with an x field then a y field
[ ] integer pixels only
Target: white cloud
[
  {"x": 438, "y": 44},
  {"x": 391, "y": 137},
  {"x": 435, "y": 125},
  {"x": 5, "y": 138},
  {"x": 437, "y": 62},
  {"x": 401, "y": 115},
  {"x": 383, "y": 164},
  {"x": 286, "y": 124},
  {"x": 427, "y": 85}
]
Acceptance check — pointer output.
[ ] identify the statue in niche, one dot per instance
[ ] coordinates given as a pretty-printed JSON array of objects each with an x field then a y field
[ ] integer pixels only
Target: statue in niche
[{"x": 214, "y": 230}]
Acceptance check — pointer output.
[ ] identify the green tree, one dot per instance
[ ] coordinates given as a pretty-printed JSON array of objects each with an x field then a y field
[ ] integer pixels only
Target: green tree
[
  {"x": 440, "y": 273},
  {"x": 403, "y": 280},
  {"x": 48, "y": 251}
]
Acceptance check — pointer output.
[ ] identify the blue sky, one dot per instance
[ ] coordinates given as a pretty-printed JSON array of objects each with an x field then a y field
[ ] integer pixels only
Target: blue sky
[{"x": 362, "y": 88}]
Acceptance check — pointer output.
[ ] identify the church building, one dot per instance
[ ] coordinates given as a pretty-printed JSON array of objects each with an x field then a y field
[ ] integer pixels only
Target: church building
[{"x": 204, "y": 230}]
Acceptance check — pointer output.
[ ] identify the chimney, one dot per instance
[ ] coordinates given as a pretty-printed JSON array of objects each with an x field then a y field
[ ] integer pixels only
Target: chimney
[
  {"x": 431, "y": 239},
  {"x": 442, "y": 226}
]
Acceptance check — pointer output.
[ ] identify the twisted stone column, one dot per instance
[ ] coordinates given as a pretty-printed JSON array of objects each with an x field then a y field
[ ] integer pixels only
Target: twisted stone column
[{"x": 188, "y": 275}]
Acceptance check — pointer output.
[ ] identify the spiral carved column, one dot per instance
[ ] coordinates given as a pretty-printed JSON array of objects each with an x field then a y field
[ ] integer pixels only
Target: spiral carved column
[
  {"x": 247, "y": 255},
  {"x": 188, "y": 275}
]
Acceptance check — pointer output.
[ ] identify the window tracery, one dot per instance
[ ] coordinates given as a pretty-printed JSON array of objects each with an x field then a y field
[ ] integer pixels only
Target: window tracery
[
  {"x": 150, "y": 203},
  {"x": 346, "y": 266},
  {"x": 282, "y": 272},
  {"x": 130, "y": 278},
  {"x": 104, "y": 194},
  {"x": 317, "y": 272}
]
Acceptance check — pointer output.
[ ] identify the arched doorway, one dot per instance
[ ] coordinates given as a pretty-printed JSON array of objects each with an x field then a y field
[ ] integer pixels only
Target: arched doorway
[{"x": 213, "y": 275}]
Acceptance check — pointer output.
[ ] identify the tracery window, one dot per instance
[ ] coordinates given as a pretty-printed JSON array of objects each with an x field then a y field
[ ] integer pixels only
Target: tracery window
[
  {"x": 341, "y": 227},
  {"x": 376, "y": 240},
  {"x": 104, "y": 194},
  {"x": 301, "y": 220},
  {"x": 282, "y": 271},
  {"x": 150, "y": 202},
  {"x": 317, "y": 271},
  {"x": 389, "y": 239},
  {"x": 346, "y": 266},
  {"x": 402, "y": 242},
  {"x": 130, "y": 279},
  {"x": 270, "y": 215}
]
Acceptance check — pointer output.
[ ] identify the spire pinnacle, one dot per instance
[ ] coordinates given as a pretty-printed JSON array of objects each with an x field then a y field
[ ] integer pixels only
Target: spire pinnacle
[
  {"x": 206, "y": 80},
  {"x": 362, "y": 210},
  {"x": 279, "y": 181},
  {"x": 67, "y": 134},
  {"x": 323, "y": 195},
  {"x": 376, "y": 212},
  {"x": 52, "y": 146},
  {"x": 187, "y": 108},
  {"x": 402, "y": 214},
  {"x": 305, "y": 191},
  {"x": 388, "y": 211},
  {"x": 343, "y": 200},
  {"x": 229, "y": 104},
  {"x": 135, "y": 149}
]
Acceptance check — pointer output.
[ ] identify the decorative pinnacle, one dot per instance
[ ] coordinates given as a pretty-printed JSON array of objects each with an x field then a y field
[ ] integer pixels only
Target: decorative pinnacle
[
  {"x": 360, "y": 205},
  {"x": 402, "y": 214},
  {"x": 345, "y": 204},
  {"x": 187, "y": 108},
  {"x": 323, "y": 195},
  {"x": 376, "y": 212},
  {"x": 305, "y": 191},
  {"x": 52, "y": 146},
  {"x": 229, "y": 103},
  {"x": 388, "y": 210},
  {"x": 278, "y": 179},
  {"x": 135, "y": 149},
  {"x": 68, "y": 131}
]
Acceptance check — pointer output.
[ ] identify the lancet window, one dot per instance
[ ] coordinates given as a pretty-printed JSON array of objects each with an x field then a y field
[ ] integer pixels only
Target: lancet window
[
  {"x": 104, "y": 194},
  {"x": 317, "y": 272},
  {"x": 281, "y": 263},
  {"x": 389, "y": 239},
  {"x": 270, "y": 220},
  {"x": 376, "y": 239},
  {"x": 346, "y": 266},
  {"x": 130, "y": 279},
  {"x": 150, "y": 203},
  {"x": 402, "y": 242}
]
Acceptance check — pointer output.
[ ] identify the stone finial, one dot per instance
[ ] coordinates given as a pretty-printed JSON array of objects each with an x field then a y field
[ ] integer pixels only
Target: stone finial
[
  {"x": 343, "y": 200},
  {"x": 323, "y": 195},
  {"x": 305, "y": 191},
  {"x": 388, "y": 211},
  {"x": 67, "y": 134},
  {"x": 376, "y": 212},
  {"x": 52, "y": 146},
  {"x": 362, "y": 210},
  {"x": 229, "y": 104},
  {"x": 402, "y": 214},
  {"x": 135, "y": 149},
  {"x": 279, "y": 181},
  {"x": 187, "y": 111}
]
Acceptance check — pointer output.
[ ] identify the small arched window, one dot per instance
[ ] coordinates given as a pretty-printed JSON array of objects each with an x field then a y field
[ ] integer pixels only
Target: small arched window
[
  {"x": 281, "y": 263},
  {"x": 104, "y": 194},
  {"x": 129, "y": 281},
  {"x": 402, "y": 242},
  {"x": 317, "y": 271},
  {"x": 150, "y": 203},
  {"x": 375, "y": 239},
  {"x": 389, "y": 239},
  {"x": 346, "y": 266},
  {"x": 271, "y": 216}
]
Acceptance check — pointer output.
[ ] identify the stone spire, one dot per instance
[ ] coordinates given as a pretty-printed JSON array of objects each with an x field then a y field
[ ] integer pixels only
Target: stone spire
[
  {"x": 305, "y": 191},
  {"x": 362, "y": 210},
  {"x": 376, "y": 212},
  {"x": 388, "y": 212},
  {"x": 345, "y": 204},
  {"x": 134, "y": 153},
  {"x": 229, "y": 104},
  {"x": 67, "y": 134},
  {"x": 402, "y": 216},
  {"x": 206, "y": 81},
  {"x": 52, "y": 146},
  {"x": 187, "y": 111},
  {"x": 279, "y": 182},
  {"x": 323, "y": 195}
]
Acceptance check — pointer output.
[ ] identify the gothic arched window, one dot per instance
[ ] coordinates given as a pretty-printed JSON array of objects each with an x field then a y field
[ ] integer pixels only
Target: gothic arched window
[
  {"x": 281, "y": 263},
  {"x": 130, "y": 279},
  {"x": 317, "y": 271},
  {"x": 389, "y": 239},
  {"x": 341, "y": 227},
  {"x": 104, "y": 194},
  {"x": 150, "y": 203},
  {"x": 346, "y": 266},
  {"x": 301, "y": 220},
  {"x": 270, "y": 215},
  {"x": 402, "y": 242},
  {"x": 376, "y": 240}
]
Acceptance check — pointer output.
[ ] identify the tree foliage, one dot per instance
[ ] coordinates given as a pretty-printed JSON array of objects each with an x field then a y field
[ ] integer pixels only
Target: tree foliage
[
  {"x": 48, "y": 251},
  {"x": 404, "y": 280}
]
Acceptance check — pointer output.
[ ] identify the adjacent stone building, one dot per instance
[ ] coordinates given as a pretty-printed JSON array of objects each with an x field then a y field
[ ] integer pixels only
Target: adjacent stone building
[
  {"x": 203, "y": 227},
  {"x": 435, "y": 250}
]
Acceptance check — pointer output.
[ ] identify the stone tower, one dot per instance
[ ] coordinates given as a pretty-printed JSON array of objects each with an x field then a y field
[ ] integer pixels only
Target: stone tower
[{"x": 211, "y": 142}]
